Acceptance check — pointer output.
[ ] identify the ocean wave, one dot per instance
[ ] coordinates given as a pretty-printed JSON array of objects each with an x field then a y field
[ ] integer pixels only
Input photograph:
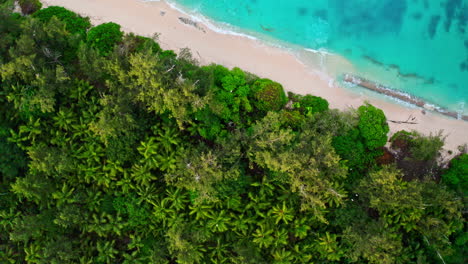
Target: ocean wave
[{"x": 216, "y": 26}]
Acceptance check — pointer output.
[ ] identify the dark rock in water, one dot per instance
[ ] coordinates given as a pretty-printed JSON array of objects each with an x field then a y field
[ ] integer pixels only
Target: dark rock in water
[
  {"x": 433, "y": 26},
  {"x": 464, "y": 66},
  {"x": 426, "y": 4},
  {"x": 395, "y": 11},
  {"x": 322, "y": 13},
  {"x": 378, "y": 17},
  {"x": 463, "y": 19},
  {"x": 430, "y": 81},
  {"x": 302, "y": 11},
  {"x": 374, "y": 61},
  {"x": 451, "y": 8},
  {"x": 268, "y": 29},
  {"x": 466, "y": 43},
  {"x": 417, "y": 16}
]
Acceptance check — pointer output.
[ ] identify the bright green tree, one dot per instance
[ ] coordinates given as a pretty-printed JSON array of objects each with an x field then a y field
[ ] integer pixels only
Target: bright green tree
[
  {"x": 104, "y": 37},
  {"x": 373, "y": 126}
]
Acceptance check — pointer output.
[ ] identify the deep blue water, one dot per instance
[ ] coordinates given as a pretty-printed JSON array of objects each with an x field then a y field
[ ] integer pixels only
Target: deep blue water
[{"x": 417, "y": 46}]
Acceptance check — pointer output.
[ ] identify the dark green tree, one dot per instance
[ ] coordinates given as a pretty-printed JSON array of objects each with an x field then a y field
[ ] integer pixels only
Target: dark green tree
[
  {"x": 74, "y": 23},
  {"x": 373, "y": 126},
  {"x": 269, "y": 95},
  {"x": 104, "y": 37}
]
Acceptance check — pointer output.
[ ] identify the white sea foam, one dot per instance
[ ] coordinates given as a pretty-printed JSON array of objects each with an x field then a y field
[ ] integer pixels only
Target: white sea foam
[
  {"x": 216, "y": 26},
  {"x": 229, "y": 29},
  {"x": 319, "y": 51}
]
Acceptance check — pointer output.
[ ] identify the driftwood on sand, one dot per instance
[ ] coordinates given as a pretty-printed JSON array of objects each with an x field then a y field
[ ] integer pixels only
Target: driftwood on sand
[
  {"x": 401, "y": 96},
  {"x": 192, "y": 23},
  {"x": 411, "y": 120}
]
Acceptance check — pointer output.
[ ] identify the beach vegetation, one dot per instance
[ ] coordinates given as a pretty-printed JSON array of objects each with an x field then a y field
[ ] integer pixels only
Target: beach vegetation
[
  {"x": 456, "y": 176},
  {"x": 312, "y": 104},
  {"x": 308, "y": 103},
  {"x": 417, "y": 155},
  {"x": 352, "y": 149},
  {"x": 104, "y": 37},
  {"x": 113, "y": 150},
  {"x": 269, "y": 95},
  {"x": 372, "y": 126},
  {"x": 74, "y": 22}
]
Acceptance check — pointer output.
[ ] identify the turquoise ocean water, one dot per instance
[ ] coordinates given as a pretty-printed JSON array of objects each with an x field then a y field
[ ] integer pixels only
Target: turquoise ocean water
[{"x": 416, "y": 46}]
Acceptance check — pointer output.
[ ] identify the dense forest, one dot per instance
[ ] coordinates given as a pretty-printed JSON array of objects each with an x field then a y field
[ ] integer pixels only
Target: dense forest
[{"x": 113, "y": 150}]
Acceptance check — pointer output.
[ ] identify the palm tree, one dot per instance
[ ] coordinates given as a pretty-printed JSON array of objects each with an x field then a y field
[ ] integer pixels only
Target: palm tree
[
  {"x": 201, "y": 211},
  {"x": 177, "y": 198},
  {"x": 241, "y": 224},
  {"x": 149, "y": 151},
  {"x": 219, "y": 221},
  {"x": 218, "y": 252},
  {"x": 33, "y": 253},
  {"x": 107, "y": 252},
  {"x": 283, "y": 256},
  {"x": 263, "y": 236},
  {"x": 64, "y": 196},
  {"x": 281, "y": 213},
  {"x": 142, "y": 174},
  {"x": 328, "y": 247},
  {"x": 169, "y": 138},
  {"x": 168, "y": 162},
  {"x": 31, "y": 129},
  {"x": 64, "y": 119},
  {"x": 164, "y": 213}
]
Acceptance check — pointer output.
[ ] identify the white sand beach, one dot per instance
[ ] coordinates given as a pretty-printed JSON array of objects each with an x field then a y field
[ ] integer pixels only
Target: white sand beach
[{"x": 208, "y": 46}]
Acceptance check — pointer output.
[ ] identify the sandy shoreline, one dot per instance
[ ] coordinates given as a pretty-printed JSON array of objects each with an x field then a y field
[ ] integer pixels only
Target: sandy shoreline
[{"x": 208, "y": 46}]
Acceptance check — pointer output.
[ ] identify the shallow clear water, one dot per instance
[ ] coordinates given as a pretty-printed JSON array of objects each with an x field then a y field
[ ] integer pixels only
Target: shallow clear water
[{"x": 416, "y": 46}]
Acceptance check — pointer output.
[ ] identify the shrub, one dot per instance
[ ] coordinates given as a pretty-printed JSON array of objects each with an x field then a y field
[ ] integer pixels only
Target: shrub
[
  {"x": 373, "y": 126},
  {"x": 419, "y": 147},
  {"x": 9, "y": 31},
  {"x": 132, "y": 43},
  {"x": 313, "y": 104},
  {"x": 74, "y": 22},
  {"x": 104, "y": 37},
  {"x": 351, "y": 148},
  {"x": 29, "y": 6},
  {"x": 426, "y": 148},
  {"x": 293, "y": 119},
  {"x": 456, "y": 177},
  {"x": 417, "y": 154},
  {"x": 168, "y": 56},
  {"x": 219, "y": 72},
  {"x": 308, "y": 103},
  {"x": 269, "y": 95},
  {"x": 231, "y": 99},
  {"x": 142, "y": 42}
]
